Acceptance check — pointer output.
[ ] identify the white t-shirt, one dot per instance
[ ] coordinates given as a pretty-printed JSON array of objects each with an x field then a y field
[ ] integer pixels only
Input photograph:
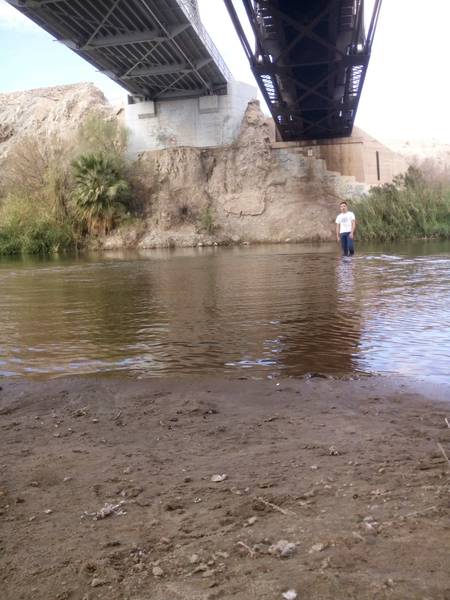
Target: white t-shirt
[{"x": 345, "y": 221}]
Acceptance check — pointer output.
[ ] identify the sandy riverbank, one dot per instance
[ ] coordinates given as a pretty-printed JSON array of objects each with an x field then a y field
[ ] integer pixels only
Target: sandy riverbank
[{"x": 348, "y": 471}]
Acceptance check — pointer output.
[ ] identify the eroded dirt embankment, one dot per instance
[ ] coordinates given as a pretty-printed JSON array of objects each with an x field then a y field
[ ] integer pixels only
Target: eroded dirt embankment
[
  {"x": 250, "y": 191},
  {"x": 106, "y": 490}
]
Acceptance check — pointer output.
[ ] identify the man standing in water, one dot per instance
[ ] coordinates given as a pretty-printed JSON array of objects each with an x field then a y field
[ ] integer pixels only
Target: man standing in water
[{"x": 345, "y": 229}]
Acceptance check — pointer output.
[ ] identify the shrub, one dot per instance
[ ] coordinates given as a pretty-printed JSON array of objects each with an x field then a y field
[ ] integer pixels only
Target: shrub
[
  {"x": 28, "y": 229},
  {"x": 52, "y": 190},
  {"x": 410, "y": 207},
  {"x": 100, "y": 194}
]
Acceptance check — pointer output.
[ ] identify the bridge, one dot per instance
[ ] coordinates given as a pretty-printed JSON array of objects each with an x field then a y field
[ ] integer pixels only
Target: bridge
[
  {"x": 309, "y": 58},
  {"x": 152, "y": 48}
]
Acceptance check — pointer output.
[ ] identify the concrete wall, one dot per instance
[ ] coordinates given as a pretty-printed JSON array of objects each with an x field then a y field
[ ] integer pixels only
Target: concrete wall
[
  {"x": 354, "y": 156},
  {"x": 198, "y": 122}
]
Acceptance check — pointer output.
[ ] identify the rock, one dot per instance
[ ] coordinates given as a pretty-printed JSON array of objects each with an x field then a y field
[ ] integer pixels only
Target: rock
[
  {"x": 47, "y": 112},
  {"x": 97, "y": 582},
  {"x": 201, "y": 568},
  {"x": 157, "y": 572},
  {"x": 251, "y": 521},
  {"x": 194, "y": 559},
  {"x": 289, "y": 595},
  {"x": 219, "y": 478},
  {"x": 209, "y": 573},
  {"x": 333, "y": 451},
  {"x": 317, "y": 548},
  {"x": 283, "y": 549}
]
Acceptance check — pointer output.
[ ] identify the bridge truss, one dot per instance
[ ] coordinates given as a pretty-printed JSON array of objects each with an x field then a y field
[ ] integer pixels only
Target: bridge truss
[
  {"x": 153, "y": 48},
  {"x": 310, "y": 59}
]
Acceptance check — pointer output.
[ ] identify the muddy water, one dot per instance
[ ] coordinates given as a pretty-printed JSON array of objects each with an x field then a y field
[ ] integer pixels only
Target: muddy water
[{"x": 253, "y": 311}]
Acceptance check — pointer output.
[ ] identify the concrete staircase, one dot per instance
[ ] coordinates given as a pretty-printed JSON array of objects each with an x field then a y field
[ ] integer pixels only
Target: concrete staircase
[{"x": 300, "y": 163}]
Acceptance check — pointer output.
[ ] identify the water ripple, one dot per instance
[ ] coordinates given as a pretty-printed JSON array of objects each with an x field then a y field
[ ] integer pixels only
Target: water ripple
[{"x": 267, "y": 310}]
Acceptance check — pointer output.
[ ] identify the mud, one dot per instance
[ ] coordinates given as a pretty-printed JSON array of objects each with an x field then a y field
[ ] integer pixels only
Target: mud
[{"x": 106, "y": 490}]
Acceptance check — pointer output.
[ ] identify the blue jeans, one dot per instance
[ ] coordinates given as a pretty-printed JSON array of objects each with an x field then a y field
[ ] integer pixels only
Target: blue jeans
[{"x": 348, "y": 248}]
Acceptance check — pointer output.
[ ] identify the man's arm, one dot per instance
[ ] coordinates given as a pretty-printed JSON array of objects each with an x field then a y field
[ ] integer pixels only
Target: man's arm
[
  {"x": 353, "y": 228},
  {"x": 337, "y": 232}
]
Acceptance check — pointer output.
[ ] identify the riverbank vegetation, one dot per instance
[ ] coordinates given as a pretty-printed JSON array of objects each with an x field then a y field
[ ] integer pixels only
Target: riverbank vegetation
[
  {"x": 415, "y": 205},
  {"x": 53, "y": 195}
]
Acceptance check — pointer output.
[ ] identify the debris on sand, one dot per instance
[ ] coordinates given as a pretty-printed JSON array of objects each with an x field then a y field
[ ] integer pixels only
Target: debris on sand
[
  {"x": 107, "y": 510},
  {"x": 219, "y": 478},
  {"x": 283, "y": 549},
  {"x": 290, "y": 595}
]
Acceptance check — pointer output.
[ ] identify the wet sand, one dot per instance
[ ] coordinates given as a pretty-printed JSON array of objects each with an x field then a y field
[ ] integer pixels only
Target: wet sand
[{"x": 106, "y": 490}]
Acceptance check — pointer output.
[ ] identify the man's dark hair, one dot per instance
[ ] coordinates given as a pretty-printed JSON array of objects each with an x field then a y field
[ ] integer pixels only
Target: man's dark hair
[{"x": 343, "y": 202}]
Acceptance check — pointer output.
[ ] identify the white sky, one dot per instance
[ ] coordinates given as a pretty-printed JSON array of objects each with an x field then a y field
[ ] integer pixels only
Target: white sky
[{"x": 406, "y": 94}]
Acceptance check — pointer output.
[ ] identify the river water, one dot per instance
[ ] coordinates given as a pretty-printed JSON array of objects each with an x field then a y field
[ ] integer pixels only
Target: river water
[{"x": 242, "y": 311}]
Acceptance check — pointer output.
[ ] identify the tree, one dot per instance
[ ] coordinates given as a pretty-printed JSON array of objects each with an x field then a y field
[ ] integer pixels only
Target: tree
[{"x": 100, "y": 194}]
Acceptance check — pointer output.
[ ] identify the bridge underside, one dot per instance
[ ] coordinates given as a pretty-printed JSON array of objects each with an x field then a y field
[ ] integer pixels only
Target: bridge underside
[
  {"x": 310, "y": 59},
  {"x": 157, "y": 49}
]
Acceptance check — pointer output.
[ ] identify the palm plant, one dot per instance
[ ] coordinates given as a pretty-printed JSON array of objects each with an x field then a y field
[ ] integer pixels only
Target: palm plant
[{"x": 100, "y": 194}]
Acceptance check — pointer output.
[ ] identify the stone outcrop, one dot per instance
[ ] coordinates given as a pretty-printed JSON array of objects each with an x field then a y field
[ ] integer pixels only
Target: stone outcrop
[
  {"x": 46, "y": 112},
  {"x": 253, "y": 192}
]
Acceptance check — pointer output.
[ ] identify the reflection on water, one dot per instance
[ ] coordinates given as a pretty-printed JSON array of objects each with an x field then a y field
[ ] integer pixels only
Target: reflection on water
[{"x": 263, "y": 310}]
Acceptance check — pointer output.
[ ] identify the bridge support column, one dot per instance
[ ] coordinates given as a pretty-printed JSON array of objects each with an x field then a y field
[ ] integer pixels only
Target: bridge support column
[{"x": 203, "y": 121}]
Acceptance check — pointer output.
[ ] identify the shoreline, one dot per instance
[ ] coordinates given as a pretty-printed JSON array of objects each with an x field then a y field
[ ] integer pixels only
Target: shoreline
[{"x": 350, "y": 472}]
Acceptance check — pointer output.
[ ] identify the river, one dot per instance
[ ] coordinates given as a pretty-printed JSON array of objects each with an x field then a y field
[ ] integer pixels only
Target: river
[{"x": 256, "y": 311}]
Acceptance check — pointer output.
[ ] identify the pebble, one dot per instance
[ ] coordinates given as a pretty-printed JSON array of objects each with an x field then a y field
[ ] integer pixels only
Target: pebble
[
  {"x": 194, "y": 558},
  {"x": 290, "y": 595},
  {"x": 157, "y": 572},
  {"x": 96, "y": 582},
  {"x": 218, "y": 478},
  {"x": 317, "y": 548},
  {"x": 209, "y": 573}
]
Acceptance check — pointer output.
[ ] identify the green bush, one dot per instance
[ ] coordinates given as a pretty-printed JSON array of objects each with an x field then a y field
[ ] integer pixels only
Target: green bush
[
  {"x": 100, "y": 195},
  {"x": 54, "y": 190},
  {"x": 28, "y": 229},
  {"x": 410, "y": 207}
]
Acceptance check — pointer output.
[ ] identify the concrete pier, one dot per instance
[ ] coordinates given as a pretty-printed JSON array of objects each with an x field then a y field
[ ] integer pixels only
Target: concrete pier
[{"x": 205, "y": 121}]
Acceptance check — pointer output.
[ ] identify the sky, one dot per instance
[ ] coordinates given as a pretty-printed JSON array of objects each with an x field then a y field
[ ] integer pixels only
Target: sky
[{"x": 406, "y": 94}]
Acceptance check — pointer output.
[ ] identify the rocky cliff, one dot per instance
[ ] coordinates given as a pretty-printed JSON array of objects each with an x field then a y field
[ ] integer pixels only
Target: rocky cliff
[
  {"x": 250, "y": 191},
  {"x": 46, "y": 112}
]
